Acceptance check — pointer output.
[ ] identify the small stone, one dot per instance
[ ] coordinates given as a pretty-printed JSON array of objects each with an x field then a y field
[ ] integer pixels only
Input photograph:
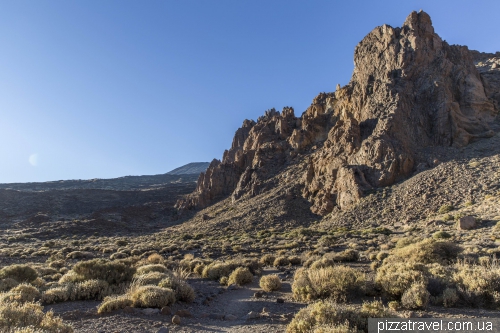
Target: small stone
[
  {"x": 166, "y": 311},
  {"x": 230, "y": 317},
  {"x": 258, "y": 294},
  {"x": 183, "y": 313},
  {"x": 233, "y": 287},
  {"x": 280, "y": 300},
  {"x": 176, "y": 320},
  {"x": 163, "y": 330},
  {"x": 252, "y": 315},
  {"x": 150, "y": 311}
]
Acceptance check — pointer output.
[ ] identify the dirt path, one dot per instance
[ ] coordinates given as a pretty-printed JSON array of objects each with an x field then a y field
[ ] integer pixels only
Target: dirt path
[{"x": 216, "y": 309}]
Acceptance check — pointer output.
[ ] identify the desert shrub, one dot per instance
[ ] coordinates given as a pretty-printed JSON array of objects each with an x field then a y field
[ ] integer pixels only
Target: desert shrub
[
  {"x": 152, "y": 296},
  {"x": 22, "y": 293},
  {"x": 335, "y": 328},
  {"x": 267, "y": 259},
  {"x": 445, "y": 209},
  {"x": 382, "y": 255},
  {"x": 151, "y": 268},
  {"x": 112, "y": 303},
  {"x": 441, "y": 235},
  {"x": 416, "y": 297},
  {"x": 216, "y": 270},
  {"x": 118, "y": 255},
  {"x": 113, "y": 272},
  {"x": 394, "y": 305},
  {"x": 479, "y": 284},
  {"x": 240, "y": 276},
  {"x": 30, "y": 315},
  {"x": 190, "y": 264},
  {"x": 7, "y": 284},
  {"x": 44, "y": 271},
  {"x": 322, "y": 263},
  {"x": 281, "y": 261},
  {"x": 183, "y": 291},
  {"x": 270, "y": 283},
  {"x": 198, "y": 269},
  {"x": 322, "y": 314},
  {"x": 450, "y": 297},
  {"x": 121, "y": 242},
  {"x": 429, "y": 251},
  {"x": 90, "y": 290},
  {"x": 156, "y": 258},
  {"x": 71, "y": 276},
  {"x": 343, "y": 256},
  {"x": 223, "y": 281},
  {"x": 57, "y": 264},
  {"x": 152, "y": 278},
  {"x": 20, "y": 273},
  {"x": 338, "y": 283},
  {"x": 311, "y": 260},
  {"x": 57, "y": 294},
  {"x": 295, "y": 260},
  {"x": 395, "y": 277},
  {"x": 80, "y": 255}
]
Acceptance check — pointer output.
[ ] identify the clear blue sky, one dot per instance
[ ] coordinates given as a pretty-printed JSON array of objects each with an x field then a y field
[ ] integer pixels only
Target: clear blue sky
[{"x": 100, "y": 89}]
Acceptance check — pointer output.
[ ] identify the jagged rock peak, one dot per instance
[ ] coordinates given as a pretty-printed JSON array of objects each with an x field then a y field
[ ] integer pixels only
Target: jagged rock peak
[{"x": 409, "y": 90}]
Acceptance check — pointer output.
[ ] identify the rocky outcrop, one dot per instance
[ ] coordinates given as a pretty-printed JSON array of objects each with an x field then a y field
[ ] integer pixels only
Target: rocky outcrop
[{"x": 409, "y": 90}]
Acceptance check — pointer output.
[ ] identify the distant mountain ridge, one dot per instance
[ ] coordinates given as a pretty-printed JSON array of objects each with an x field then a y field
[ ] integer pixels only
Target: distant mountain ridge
[
  {"x": 190, "y": 168},
  {"x": 185, "y": 174}
]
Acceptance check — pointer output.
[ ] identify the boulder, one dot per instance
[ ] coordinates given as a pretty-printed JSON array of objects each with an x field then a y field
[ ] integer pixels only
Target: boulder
[{"x": 466, "y": 223}]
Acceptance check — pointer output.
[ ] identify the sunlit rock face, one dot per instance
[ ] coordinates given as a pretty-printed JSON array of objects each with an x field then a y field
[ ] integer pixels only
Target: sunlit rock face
[{"x": 409, "y": 90}]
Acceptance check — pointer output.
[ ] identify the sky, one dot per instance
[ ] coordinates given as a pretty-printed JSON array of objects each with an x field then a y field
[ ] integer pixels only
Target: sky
[{"x": 103, "y": 89}]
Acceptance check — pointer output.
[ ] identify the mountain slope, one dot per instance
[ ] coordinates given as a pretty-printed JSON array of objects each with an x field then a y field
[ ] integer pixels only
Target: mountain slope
[
  {"x": 190, "y": 168},
  {"x": 410, "y": 95}
]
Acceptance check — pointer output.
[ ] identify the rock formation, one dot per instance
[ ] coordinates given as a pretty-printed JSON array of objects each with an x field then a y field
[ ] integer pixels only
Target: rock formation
[{"x": 409, "y": 90}]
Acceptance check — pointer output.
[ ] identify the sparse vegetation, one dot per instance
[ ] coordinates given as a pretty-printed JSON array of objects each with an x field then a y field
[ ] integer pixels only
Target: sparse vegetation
[
  {"x": 339, "y": 283},
  {"x": 270, "y": 283}
]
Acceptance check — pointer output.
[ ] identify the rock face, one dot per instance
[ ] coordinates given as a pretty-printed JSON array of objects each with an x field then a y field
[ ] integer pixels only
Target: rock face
[{"x": 409, "y": 90}]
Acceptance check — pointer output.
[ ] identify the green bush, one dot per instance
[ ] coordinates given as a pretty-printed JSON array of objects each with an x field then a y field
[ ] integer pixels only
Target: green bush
[
  {"x": 445, "y": 209},
  {"x": 441, "y": 235}
]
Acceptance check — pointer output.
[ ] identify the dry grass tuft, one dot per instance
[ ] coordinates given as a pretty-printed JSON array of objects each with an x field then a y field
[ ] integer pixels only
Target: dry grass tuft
[
  {"x": 325, "y": 315},
  {"x": 338, "y": 283},
  {"x": 30, "y": 316},
  {"x": 270, "y": 283},
  {"x": 20, "y": 273},
  {"x": 240, "y": 276}
]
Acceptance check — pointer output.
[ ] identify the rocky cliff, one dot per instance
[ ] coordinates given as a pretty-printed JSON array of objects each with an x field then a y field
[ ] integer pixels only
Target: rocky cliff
[{"x": 409, "y": 91}]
